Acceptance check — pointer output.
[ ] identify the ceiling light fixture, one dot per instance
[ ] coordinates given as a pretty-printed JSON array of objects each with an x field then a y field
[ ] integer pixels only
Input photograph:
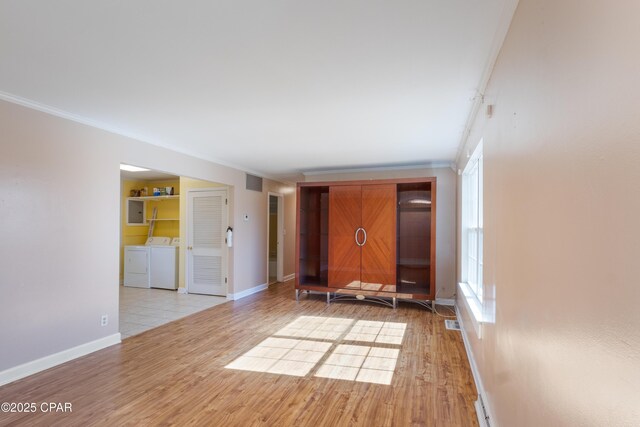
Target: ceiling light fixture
[{"x": 130, "y": 168}]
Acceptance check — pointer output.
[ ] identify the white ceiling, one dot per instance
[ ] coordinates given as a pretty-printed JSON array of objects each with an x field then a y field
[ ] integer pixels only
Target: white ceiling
[{"x": 274, "y": 87}]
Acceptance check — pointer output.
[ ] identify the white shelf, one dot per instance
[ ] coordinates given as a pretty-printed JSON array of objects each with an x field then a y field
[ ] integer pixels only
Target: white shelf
[{"x": 155, "y": 198}]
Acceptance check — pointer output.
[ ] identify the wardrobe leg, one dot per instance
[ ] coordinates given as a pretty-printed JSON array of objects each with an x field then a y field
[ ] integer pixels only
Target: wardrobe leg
[
  {"x": 297, "y": 295},
  {"x": 328, "y": 297},
  {"x": 394, "y": 303}
]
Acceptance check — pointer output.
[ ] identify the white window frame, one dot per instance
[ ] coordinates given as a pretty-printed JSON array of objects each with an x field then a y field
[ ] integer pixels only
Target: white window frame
[{"x": 472, "y": 234}]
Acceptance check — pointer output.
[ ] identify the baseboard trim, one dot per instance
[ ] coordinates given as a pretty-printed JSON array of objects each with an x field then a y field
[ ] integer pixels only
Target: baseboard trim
[
  {"x": 247, "y": 292},
  {"x": 482, "y": 421},
  {"x": 446, "y": 301},
  {"x": 289, "y": 277},
  {"x": 483, "y": 411},
  {"x": 21, "y": 371}
]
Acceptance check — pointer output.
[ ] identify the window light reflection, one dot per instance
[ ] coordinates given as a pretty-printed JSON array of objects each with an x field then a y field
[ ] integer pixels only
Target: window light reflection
[
  {"x": 282, "y": 356},
  {"x": 378, "y": 332},
  {"x": 361, "y": 364},
  {"x": 304, "y": 343},
  {"x": 322, "y": 328}
]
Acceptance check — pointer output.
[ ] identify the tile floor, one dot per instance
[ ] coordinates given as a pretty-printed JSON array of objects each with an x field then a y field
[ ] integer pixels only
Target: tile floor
[{"x": 144, "y": 309}]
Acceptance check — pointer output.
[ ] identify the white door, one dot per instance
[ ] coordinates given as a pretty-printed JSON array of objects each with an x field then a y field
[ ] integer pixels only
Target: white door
[{"x": 206, "y": 248}]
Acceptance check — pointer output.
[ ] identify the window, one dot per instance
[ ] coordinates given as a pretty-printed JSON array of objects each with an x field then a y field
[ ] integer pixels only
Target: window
[{"x": 472, "y": 233}]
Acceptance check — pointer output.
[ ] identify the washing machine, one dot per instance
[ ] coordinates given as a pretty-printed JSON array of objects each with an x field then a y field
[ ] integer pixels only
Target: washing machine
[
  {"x": 136, "y": 266},
  {"x": 163, "y": 265},
  {"x": 153, "y": 265}
]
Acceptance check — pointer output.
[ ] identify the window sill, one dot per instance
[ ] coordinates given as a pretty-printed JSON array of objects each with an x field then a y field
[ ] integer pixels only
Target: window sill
[{"x": 473, "y": 307}]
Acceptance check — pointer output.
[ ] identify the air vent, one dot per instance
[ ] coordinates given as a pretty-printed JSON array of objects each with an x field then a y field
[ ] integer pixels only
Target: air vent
[
  {"x": 254, "y": 183},
  {"x": 452, "y": 325}
]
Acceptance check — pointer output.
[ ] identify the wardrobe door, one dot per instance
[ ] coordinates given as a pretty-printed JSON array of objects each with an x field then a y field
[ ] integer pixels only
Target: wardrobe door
[
  {"x": 379, "y": 249},
  {"x": 345, "y": 216}
]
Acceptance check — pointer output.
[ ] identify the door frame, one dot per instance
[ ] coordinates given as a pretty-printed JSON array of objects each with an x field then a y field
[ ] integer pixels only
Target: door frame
[
  {"x": 189, "y": 237},
  {"x": 279, "y": 236}
]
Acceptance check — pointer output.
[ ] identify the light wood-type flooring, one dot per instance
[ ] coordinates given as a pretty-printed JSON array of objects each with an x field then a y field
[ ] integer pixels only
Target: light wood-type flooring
[{"x": 386, "y": 368}]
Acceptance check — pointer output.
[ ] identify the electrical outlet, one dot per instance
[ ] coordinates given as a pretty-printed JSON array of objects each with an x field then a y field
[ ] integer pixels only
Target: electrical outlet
[{"x": 104, "y": 320}]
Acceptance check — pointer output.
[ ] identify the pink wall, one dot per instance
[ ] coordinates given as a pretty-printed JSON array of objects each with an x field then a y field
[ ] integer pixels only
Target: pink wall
[
  {"x": 59, "y": 223},
  {"x": 562, "y": 208}
]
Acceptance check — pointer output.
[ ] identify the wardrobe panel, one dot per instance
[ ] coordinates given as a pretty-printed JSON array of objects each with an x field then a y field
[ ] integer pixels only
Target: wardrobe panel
[
  {"x": 345, "y": 216},
  {"x": 379, "y": 250}
]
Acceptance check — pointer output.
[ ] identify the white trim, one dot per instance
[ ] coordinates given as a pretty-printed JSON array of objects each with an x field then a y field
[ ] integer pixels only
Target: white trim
[
  {"x": 473, "y": 307},
  {"x": 475, "y": 156},
  {"x": 430, "y": 165},
  {"x": 289, "y": 277},
  {"x": 219, "y": 187},
  {"x": 482, "y": 421},
  {"x": 476, "y": 377},
  {"x": 13, "y": 374},
  {"x": 508, "y": 11},
  {"x": 34, "y": 105},
  {"x": 247, "y": 292},
  {"x": 446, "y": 301}
]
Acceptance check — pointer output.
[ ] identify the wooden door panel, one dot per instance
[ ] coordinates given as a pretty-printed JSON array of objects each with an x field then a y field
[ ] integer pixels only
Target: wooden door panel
[
  {"x": 379, "y": 251},
  {"x": 345, "y": 215}
]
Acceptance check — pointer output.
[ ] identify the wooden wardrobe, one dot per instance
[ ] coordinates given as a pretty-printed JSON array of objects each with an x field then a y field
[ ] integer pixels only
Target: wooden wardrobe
[{"x": 371, "y": 239}]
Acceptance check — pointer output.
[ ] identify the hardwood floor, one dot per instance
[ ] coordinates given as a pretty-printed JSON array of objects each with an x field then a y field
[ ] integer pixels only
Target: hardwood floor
[{"x": 176, "y": 375}]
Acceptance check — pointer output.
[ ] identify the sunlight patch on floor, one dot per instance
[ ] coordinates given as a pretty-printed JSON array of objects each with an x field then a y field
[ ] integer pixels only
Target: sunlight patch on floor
[
  {"x": 302, "y": 344},
  {"x": 323, "y": 328},
  {"x": 360, "y": 363},
  {"x": 282, "y": 356},
  {"x": 378, "y": 332}
]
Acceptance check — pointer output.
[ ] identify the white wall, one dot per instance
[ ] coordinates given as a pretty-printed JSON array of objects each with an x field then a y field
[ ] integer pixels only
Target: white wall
[
  {"x": 59, "y": 222},
  {"x": 445, "y": 216},
  {"x": 562, "y": 206}
]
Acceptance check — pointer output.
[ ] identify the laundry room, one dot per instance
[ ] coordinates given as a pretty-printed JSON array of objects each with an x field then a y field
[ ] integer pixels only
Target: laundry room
[
  {"x": 153, "y": 262},
  {"x": 150, "y": 223}
]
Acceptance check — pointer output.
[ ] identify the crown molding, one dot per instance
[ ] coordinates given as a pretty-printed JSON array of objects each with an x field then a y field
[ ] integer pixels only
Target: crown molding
[
  {"x": 34, "y": 105},
  {"x": 508, "y": 11},
  {"x": 428, "y": 165}
]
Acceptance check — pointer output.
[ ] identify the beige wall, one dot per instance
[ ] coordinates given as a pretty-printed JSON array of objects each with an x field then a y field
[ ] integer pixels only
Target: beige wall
[
  {"x": 58, "y": 280},
  {"x": 562, "y": 206},
  {"x": 445, "y": 216}
]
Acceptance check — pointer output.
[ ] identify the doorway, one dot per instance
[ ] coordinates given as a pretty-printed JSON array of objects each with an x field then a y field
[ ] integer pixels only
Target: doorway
[
  {"x": 275, "y": 232},
  {"x": 153, "y": 236}
]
